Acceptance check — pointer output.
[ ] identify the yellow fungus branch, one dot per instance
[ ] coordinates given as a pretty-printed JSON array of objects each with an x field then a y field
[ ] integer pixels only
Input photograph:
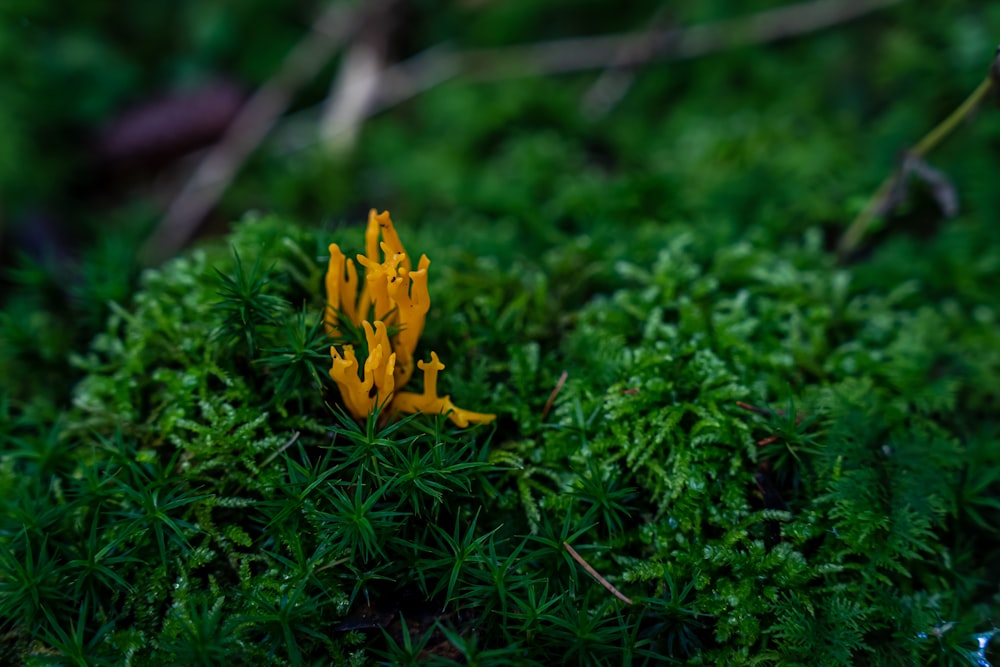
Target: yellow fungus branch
[{"x": 399, "y": 297}]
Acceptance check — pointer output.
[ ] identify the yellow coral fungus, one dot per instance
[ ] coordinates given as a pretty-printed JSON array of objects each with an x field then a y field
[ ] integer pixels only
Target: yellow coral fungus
[
  {"x": 396, "y": 296},
  {"x": 361, "y": 394},
  {"x": 430, "y": 402}
]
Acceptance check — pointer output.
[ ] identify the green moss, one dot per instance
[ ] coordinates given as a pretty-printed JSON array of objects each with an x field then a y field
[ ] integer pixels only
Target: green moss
[
  {"x": 778, "y": 458},
  {"x": 202, "y": 466}
]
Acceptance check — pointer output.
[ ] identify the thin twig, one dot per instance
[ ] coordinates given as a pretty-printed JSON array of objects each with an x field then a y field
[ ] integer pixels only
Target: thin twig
[
  {"x": 753, "y": 408},
  {"x": 875, "y": 206},
  {"x": 253, "y": 122},
  {"x": 592, "y": 572},
  {"x": 555, "y": 392},
  {"x": 288, "y": 443}
]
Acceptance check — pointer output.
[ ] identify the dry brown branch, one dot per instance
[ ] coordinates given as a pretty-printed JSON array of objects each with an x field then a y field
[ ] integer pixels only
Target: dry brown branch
[
  {"x": 439, "y": 64},
  {"x": 614, "y": 82},
  {"x": 352, "y": 97},
  {"x": 355, "y": 90},
  {"x": 572, "y": 55},
  {"x": 592, "y": 572},
  {"x": 396, "y": 84},
  {"x": 253, "y": 122}
]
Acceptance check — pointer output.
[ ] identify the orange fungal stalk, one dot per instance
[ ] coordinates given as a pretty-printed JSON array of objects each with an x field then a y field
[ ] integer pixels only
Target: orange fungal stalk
[{"x": 395, "y": 296}]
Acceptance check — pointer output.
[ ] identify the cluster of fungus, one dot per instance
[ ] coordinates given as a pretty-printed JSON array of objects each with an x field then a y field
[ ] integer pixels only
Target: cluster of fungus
[{"x": 390, "y": 306}]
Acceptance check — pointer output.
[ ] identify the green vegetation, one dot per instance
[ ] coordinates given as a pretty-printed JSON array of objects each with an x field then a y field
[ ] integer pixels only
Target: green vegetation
[{"x": 779, "y": 456}]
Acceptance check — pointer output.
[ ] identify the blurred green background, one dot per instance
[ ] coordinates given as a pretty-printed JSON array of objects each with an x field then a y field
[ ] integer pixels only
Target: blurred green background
[{"x": 107, "y": 109}]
